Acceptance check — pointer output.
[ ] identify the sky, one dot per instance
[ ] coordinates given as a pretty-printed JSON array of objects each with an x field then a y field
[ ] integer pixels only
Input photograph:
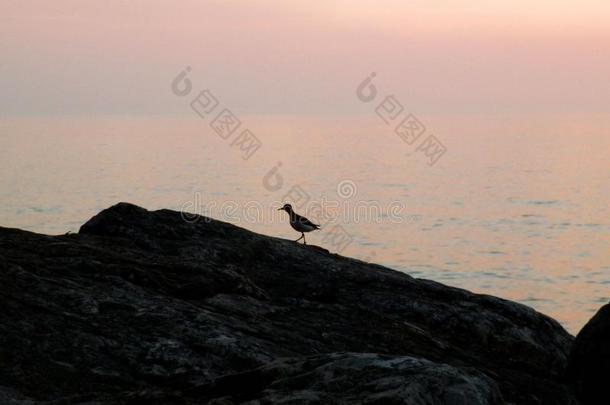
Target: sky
[{"x": 304, "y": 57}]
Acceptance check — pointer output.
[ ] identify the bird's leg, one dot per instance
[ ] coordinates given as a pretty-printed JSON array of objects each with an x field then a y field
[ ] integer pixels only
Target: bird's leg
[
  {"x": 304, "y": 240},
  {"x": 302, "y": 236}
]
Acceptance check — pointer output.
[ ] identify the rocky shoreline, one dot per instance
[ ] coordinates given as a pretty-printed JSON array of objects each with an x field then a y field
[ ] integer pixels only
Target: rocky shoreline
[{"x": 143, "y": 307}]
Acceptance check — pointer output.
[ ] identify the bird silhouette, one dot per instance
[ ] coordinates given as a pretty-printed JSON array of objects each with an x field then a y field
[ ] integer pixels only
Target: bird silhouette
[{"x": 299, "y": 223}]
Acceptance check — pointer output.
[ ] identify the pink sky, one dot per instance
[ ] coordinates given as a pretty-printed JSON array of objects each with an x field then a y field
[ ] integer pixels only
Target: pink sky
[{"x": 303, "y": 57}]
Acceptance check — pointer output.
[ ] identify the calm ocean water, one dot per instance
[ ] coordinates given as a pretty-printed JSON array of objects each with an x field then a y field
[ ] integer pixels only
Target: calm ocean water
[{"x": 518, "y": 207}]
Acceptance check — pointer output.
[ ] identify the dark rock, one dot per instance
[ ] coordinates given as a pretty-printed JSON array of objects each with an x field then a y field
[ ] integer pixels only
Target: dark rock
[
  {"x": 589, "y": 362},
  {"x": 357, "y": 378},
  {"x": 143, "y": 307}
]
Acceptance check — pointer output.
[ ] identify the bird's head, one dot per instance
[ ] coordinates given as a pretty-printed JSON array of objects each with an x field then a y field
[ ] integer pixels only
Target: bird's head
[{"x": 286, "y": 207}]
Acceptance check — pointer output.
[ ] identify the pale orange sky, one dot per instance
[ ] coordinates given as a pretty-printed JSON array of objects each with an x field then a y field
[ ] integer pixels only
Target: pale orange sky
[{"x": 304, "y": 57}]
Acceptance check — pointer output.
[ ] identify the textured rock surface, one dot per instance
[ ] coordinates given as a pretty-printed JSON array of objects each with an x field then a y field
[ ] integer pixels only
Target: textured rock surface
[
  {"x": 143, "y": 307},
  {"x": 360, "y": 377},
  {"x": 589, "y": 364}
]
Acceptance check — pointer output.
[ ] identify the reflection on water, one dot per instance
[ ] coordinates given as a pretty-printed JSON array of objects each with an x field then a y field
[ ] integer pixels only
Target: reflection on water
[{"x": 518, "y": 206}]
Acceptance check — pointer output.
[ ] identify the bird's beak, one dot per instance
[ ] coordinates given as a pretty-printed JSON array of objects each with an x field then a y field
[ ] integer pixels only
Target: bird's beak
[{"x": 279, "y": 209}]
